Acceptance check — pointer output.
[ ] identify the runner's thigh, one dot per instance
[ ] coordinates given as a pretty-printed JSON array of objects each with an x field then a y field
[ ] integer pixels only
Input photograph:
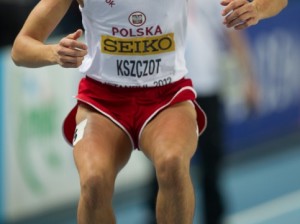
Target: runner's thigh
[
  {"x": 104, "y": 146},
  {"x": 174, "y": 129}
]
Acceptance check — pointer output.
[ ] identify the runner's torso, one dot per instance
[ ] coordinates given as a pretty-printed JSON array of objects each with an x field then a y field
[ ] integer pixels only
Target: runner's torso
[{"x": 135, "y": 42}]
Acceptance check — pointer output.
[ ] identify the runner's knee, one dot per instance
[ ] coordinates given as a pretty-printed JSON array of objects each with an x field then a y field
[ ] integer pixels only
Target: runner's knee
[
  {"x": 171, "y": 167},
  {"x": 96, "y": 190}
]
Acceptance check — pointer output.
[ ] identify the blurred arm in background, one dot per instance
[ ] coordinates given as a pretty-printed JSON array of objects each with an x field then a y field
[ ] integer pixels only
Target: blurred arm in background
[
  {"x": 240, "y": 49},
  {"x": 241, "y": 14}
]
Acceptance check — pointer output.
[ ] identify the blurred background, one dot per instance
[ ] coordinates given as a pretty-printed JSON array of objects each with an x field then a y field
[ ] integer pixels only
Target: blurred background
[{"x": 259, "y": 172}]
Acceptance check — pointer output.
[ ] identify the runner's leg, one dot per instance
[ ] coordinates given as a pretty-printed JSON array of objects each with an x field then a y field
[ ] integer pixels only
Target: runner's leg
[
  {"x": 170, "y": 141},
  {"x": 99, "y": 156}
]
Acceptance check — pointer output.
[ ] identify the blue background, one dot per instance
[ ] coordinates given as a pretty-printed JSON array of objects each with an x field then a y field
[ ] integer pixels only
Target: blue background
[{"x": 260, "y": 128}]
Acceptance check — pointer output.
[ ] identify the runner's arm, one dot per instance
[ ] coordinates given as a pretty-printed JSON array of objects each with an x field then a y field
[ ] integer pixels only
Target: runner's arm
[{"x": 29, "y": 48}]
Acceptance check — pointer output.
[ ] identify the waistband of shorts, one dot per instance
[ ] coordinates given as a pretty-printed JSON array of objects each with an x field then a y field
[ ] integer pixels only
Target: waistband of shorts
[{"x": 128, "y": 89}]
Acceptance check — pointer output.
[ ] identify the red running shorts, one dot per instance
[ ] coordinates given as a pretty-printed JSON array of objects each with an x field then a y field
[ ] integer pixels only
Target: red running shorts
[{"x": 131, "y": 108}]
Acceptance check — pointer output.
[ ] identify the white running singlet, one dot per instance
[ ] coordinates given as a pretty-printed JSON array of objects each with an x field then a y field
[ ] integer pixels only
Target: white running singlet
[{"x": 135, "y": 42}]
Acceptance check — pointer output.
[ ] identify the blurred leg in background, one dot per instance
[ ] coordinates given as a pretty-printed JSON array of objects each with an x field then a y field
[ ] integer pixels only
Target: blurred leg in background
[{"x": 211, "y": 153}]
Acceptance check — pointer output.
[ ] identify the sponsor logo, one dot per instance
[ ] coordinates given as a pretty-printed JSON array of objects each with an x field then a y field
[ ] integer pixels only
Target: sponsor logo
[{"x": 138, "y": 46}]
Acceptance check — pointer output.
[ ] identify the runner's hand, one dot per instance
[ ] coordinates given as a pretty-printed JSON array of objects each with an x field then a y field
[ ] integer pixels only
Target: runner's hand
[
  {"x": 69, "y": 51},
  {"x": 239, "y": 14}
]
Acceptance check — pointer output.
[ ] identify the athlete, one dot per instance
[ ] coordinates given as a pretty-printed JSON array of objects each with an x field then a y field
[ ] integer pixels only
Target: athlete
[{"x": 134, "y": 95}]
